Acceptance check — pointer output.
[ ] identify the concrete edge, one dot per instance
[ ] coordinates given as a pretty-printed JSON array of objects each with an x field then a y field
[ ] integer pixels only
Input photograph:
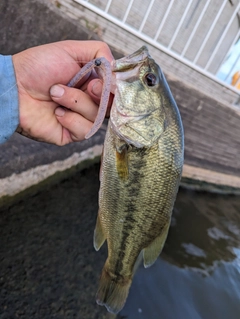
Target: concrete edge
[
  {"x": 201, "y": 179},
  {"x": 16, "y": 183}
]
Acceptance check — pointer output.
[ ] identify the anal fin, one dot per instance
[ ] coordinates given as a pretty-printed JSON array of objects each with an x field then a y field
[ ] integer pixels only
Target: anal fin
[
  {"x": 151, "y": 253},
  {"x": 98, "y": 237}
]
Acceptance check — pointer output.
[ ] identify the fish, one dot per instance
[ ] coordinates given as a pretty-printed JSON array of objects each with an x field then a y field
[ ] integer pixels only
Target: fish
[{"x": 141, "y": 168}]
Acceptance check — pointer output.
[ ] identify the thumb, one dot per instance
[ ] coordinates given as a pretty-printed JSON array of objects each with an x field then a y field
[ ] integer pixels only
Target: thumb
[{"x": 94, "y": 89}]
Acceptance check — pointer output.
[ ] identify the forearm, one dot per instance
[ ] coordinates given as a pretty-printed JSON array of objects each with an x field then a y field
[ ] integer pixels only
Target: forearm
[{"x": 9, "y": 113}]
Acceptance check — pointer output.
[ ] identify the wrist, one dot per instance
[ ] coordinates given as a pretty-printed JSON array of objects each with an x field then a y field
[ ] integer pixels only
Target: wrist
[{"x": 9, "y": 106}]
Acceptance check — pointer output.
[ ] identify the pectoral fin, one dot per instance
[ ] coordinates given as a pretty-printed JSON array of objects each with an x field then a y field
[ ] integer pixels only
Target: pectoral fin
[
  {"x": 99, "y": 237},
  {"x": 151, "y": 253},
  {"x": 122, "y": 163}
]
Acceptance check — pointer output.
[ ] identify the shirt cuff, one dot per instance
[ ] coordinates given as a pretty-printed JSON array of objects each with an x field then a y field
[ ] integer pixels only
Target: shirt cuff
[{"x": 9, "y": 110}]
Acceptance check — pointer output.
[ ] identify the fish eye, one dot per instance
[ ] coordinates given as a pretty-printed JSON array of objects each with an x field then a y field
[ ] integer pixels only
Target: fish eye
[{"x": 150, "y": 79}]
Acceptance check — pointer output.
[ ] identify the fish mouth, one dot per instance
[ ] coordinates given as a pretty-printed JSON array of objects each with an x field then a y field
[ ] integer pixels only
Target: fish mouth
[{"x": 130, "y": 61}]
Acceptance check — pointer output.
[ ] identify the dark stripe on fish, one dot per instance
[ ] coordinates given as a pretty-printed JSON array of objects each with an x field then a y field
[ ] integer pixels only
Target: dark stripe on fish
[{"x": 135, "y": 179}]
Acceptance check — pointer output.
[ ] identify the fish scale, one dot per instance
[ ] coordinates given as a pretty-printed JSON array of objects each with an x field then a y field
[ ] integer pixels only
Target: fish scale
[{"x": 140, "y": 173}]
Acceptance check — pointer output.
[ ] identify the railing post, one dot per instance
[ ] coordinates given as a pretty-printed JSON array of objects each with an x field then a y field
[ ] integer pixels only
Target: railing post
[{"x": 207, "y": 5}]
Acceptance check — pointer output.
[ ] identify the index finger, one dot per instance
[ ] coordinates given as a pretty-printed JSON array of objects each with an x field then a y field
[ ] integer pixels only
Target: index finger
[{"x": 85, "y": 51}]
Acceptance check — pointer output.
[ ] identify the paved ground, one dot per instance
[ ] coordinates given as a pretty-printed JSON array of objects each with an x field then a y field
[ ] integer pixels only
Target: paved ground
[
  {"x": 49, "y": 268},
  {"x": 22, "y": 25}
]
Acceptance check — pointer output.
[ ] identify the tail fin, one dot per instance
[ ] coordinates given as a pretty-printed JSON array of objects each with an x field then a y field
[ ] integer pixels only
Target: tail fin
[{"x": 112, "y": 293}]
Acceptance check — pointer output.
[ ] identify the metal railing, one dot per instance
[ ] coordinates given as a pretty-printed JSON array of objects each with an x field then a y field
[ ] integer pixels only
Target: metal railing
[{"x": 199, "y": 33}]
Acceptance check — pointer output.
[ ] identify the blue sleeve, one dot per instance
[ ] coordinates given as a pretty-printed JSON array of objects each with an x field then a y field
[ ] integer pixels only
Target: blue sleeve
[{"x": 9, "y": 113}]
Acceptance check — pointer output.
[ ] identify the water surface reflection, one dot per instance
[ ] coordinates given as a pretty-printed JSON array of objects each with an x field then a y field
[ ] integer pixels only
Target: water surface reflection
[{"x": 198, "y": 273}]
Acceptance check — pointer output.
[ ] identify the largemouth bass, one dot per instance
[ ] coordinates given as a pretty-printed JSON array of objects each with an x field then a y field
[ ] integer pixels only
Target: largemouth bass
[{"x": 140, "y": 173}]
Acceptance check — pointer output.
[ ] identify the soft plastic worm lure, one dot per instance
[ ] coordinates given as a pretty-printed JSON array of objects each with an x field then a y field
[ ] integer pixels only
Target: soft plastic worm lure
[{"x": 103, "y": 69}]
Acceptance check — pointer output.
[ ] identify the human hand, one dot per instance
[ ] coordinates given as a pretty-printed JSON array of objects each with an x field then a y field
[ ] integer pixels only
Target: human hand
[{"x": 38, "y": 70}]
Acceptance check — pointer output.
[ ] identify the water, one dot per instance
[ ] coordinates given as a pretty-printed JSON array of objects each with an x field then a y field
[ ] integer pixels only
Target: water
[
  {"x": 49, "y": 268},
  {"x": 198, "y": 273}
]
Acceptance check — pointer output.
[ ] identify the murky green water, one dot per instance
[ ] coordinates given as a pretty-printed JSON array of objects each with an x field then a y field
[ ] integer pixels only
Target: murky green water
[{"x": 49, "y": 268}]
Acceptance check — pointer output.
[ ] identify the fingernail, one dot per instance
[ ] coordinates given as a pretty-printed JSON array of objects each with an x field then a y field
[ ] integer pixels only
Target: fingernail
[
  {"x": 59, "y": 111},
  {"x": 97, "y": 88},
  {"x": 56, "y": 91}
]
